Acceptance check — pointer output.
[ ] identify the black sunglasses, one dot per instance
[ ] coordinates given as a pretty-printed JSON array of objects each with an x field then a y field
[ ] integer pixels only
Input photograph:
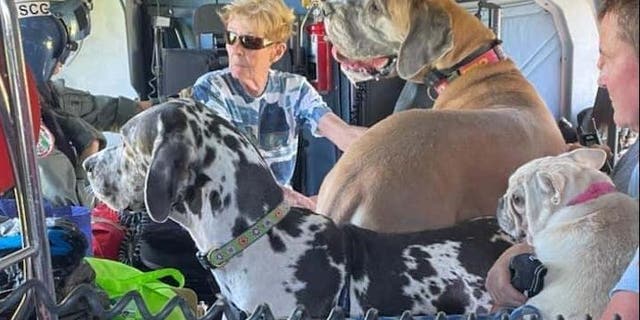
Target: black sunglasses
[{"x": 248, "y": 42}]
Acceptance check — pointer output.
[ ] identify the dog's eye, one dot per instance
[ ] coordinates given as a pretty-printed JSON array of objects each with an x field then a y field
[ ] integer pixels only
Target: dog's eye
[{"x": 517, "y": 201}]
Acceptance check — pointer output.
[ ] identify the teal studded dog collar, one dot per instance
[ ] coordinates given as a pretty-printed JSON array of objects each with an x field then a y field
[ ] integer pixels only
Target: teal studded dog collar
[{"x": 217, "y": 258}]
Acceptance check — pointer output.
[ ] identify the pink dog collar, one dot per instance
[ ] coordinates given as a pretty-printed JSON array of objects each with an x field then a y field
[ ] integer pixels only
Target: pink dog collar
[{"x": 594, "y": 191}]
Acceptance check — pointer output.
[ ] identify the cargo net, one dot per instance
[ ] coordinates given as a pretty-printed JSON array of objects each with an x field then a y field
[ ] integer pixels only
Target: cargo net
[{"x": 84, "y": 302}]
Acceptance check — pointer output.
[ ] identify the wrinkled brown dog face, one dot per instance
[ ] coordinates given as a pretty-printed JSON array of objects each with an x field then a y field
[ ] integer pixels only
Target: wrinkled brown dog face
[{"x": 384, "y": 38}]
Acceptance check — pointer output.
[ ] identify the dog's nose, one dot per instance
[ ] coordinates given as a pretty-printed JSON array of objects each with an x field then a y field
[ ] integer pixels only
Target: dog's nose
[
  {"x": 89, "y": 164},
  {"x": 500, "y": 204}
]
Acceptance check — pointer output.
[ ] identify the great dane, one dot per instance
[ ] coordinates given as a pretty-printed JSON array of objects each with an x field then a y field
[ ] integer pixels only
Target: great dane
[
  {"x": 426, "y": 169},
  {"x": 181, "y": 161}
]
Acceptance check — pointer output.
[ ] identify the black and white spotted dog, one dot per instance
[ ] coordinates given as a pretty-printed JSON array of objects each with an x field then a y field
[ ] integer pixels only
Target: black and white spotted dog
[{"x": 181, "y": 161}]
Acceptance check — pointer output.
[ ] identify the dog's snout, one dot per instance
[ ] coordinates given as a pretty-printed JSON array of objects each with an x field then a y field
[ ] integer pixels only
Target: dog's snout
[
  {"x": 500, "y": 204},
  {"x": 504, "y": 221},
  {"x": 89, "y": 164}
]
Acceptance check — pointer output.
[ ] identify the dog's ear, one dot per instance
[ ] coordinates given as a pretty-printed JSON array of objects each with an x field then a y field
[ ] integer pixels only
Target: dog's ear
[
  {"x": 551, "y": 184},
  {"x": 168, "y": 174},
  {"x": 429, "y": 37},
  {"x": 590, "y": 157}
]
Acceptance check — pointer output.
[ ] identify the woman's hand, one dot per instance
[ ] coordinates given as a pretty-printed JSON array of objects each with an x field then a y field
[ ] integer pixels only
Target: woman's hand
[{"x": 498, "y": 281}]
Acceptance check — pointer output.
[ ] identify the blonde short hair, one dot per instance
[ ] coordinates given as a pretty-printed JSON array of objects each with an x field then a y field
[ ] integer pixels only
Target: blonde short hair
[{"x": 272, "y": 17}]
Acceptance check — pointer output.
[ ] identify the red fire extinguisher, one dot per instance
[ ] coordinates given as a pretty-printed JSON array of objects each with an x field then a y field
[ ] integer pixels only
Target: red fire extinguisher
[{"x": 320, "y": 60}]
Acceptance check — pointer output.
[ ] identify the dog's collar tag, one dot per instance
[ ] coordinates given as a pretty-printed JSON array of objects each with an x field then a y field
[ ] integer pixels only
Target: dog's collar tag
[
  {"x": 594, "y": 191},
  {"x": 217, "y": 258}
]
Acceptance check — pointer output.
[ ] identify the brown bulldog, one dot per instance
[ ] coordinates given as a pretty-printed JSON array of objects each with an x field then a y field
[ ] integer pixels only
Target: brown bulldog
[{"x": 427, "y": 169}]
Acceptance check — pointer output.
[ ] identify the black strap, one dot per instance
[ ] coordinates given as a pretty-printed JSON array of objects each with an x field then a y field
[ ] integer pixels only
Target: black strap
[
  {"x": 434, "y": 76},
  {"x": 473, "y": 56}
]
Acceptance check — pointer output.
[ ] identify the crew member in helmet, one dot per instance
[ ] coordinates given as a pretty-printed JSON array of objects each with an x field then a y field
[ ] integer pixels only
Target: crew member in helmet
[{"x": 73, "y": 120}]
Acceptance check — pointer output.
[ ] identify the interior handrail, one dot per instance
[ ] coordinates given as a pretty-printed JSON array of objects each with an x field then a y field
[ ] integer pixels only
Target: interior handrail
[{"x": 16, "y": 121}]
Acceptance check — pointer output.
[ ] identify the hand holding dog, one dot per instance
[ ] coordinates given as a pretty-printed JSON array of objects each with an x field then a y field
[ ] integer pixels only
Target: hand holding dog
[{"x": 498, "y": 280}]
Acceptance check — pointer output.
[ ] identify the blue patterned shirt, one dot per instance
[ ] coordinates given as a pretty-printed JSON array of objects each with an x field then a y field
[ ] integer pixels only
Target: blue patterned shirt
[{"x": 272, "y": 120}]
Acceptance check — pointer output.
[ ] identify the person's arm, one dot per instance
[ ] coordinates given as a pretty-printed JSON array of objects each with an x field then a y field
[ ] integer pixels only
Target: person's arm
[
  {"x": 114, "y": 112},
  {"x": 311, "y": 110},
  {"x": 624, "y": 296},
  {"x": 339, "y": 132},
  {"x": 85, "y": 139},
  {"x": 103, "y": 112},
  {"x": 498, "y": 280}
]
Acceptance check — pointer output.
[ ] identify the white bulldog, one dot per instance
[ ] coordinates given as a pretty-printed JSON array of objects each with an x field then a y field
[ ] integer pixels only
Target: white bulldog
[{"x": 582, "y": 229}]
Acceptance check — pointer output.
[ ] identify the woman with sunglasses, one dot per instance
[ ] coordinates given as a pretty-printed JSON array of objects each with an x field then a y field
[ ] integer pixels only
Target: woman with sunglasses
[{"x": 269, "y": 106}]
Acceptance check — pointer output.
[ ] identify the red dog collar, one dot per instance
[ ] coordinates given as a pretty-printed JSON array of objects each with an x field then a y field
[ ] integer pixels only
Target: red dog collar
[
  {"x": 440, "y": 79},
  {"x": 594, "y": 191}
]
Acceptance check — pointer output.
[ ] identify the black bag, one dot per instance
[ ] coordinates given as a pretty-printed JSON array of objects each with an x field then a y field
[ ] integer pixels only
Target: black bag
[{"x": 149, "y": 245}]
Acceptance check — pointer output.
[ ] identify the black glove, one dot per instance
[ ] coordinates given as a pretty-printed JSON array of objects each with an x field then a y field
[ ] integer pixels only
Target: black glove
[{"x": 527, "y": 274}]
